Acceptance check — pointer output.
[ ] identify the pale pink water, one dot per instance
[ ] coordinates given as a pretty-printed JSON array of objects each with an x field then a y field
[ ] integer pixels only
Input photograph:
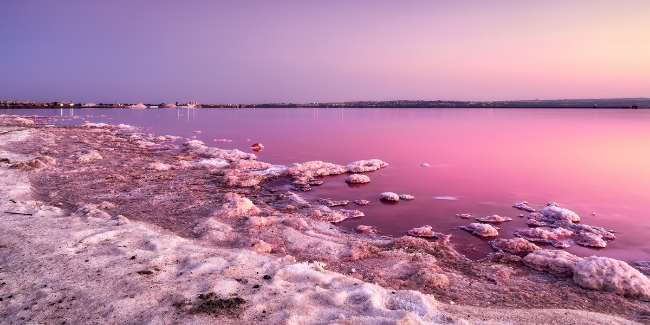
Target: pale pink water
[{"x": 589, "y": 161}]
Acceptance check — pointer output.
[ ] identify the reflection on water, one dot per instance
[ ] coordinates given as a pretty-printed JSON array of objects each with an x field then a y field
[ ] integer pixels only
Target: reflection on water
[{"x": 594, "y": 162}]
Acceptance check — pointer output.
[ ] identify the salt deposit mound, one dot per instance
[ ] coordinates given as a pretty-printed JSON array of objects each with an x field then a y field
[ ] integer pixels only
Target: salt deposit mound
[
  {"x": 556, "y": 262},
  {"x": 494, "y": 219},
  {"x": 199, "y": 148},
  {"x": 523, "y": 206},
  {"x": 554, "y": 212},
  {"x": 237, "y": 207},
  {"x": 363, "y": 166},
  {"x": 514, "y": 245},
  {"x": 389, "y": 196},
  {"x": 357, "y": 179},
  {"x": 559, "y": 237},
  {"x": 481, "y": 229},
  {"x": 604, "y": 273}
]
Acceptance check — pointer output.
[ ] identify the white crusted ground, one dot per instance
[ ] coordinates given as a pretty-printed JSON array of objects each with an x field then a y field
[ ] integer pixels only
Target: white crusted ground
[{"x": 57, "y": 266}]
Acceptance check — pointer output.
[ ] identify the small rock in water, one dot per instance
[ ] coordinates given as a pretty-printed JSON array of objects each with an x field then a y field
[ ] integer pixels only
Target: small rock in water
[
  {"x": 425, "y": 165},
  {"x": 362, "y": 202},
  {"x": 464, "y": 215},
  {"x": 558, "y": 237},
  {"x": 536, "y": 223},
  {"x": 196, "y": 132},
  {"x": 389, "y": 196},
  {"x": 357, "y": 179},
  {"x": 553, "y": 211},
  {"x": 523, "y": 206},
  {"x": 643, "y": 263},
  {"x": 257, "y": 147},
  {"x": 494, "y": 219},
  {"x": 407, "y": 197},
  {"x": 481, "y": 229}
]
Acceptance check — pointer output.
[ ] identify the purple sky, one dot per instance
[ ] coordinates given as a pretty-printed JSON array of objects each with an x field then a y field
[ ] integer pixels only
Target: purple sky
[{"x": 303, "y": 51}]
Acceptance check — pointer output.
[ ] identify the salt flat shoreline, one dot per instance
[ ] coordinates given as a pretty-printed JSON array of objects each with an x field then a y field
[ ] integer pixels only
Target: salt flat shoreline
[{"x": 86, "y": 250}]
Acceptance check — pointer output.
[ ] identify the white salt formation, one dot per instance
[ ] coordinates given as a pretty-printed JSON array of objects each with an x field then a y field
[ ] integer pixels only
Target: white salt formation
[
  {"x": 559, "y": 237},
  {"x": 536, "y": 223},
  {"x": 305, "y": 173},
  {"x": 514, "y": 245},
  {"x": 357, "y": 179},
  {"x": 389, "y": 196},
  {"x": 425, "y": 165},
  {"x": 481, "y": 229},
  {"x": 424, "y": 231},
  {"x": 494, "y": 219},
  {"x": 328, "y": 202},
  {"x": 237, "y": 207},
  {"x": 523, "y": 206},
  {"x": 363, "y": 166},
  {"x": 199, "y": 148},
  {"x": 214, "y": 163},
  {"x": 222, "y": 140},
  {"x": 596, "y": 273},
  {"x": 554, "y": 212},
  {"x": 158, "y": 166},
  {"x": 556, "y": 262},
  {"x": 464, "y": 215},
  {"x": 244, "y": 164},
  {"x": 362, "y": 202},
  {"x": 89, "y": 157},
  {"x": 406, "y": 197}
]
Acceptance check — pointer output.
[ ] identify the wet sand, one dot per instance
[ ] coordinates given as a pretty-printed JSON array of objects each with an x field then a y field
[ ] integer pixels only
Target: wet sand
[{"x": 202, "y": 251}]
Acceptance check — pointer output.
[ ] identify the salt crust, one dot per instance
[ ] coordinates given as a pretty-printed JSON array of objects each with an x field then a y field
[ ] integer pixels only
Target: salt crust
[
  {"x": 427, "y": 231},
  {"x": 554, "y": 212},
  {"x": 389, "y": 196},
  {"x": 514, "y": 245},
  {"x": 406, "y": 197},
  {"x": 362, "y": 166},
  {"x": 200, "y": 149},
  {"x": 237, "y": 207},
  {"x": 357, "y": 179},
  {"x": 596, "y": 273},
  {"x": 89, "y": 157},
  {"x": 494, "y": 219},
  {"x": 481, "y": 229},
  {"x": 150, "y": 304},
  {"x": 523, "y": 206},
  {"x": 557, "y": 237}
]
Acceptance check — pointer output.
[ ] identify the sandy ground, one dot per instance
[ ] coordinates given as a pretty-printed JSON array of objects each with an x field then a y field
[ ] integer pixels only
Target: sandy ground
[{"x": 115, "y": 240}]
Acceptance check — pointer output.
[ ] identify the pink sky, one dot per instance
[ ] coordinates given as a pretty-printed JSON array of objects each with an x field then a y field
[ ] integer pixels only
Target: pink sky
[{"x": 304, "y": 51}]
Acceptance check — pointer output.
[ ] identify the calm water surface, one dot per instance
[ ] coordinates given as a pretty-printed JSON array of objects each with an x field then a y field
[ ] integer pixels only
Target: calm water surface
[{"x": 589, "y": 161}]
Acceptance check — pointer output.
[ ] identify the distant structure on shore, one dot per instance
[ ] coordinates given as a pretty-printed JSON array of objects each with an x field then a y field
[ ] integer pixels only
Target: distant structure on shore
[{"x": 607, "y": 103}]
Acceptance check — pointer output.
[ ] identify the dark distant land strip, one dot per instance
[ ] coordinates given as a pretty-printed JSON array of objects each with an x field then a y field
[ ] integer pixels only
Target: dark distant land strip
[{"x": 616, "y": 103}]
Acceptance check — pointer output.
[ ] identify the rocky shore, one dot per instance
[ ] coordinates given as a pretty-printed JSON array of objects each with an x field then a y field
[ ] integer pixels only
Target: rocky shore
[{"x": 106, "y": 224}]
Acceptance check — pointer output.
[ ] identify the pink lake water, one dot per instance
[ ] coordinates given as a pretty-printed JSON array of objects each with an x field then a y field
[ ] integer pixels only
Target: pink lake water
[{"x": 589, "y": 161}]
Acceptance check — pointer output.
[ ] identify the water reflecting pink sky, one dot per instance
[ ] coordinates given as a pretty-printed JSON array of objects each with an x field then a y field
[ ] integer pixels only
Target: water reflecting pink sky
[{"x": 589, "y": 161}]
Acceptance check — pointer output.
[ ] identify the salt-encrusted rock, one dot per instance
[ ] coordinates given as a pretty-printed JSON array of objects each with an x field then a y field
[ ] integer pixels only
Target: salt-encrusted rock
[
  {"x": 358, "y": 250},
  {"x": 249, "y": 165},
  {"x": 362, "y": 202},
  {"x": 523, "y": 206},
  {"x": 424, "y": 231},
  {"x": 427, "y": 231},
  {"x": 481, "y": 229},
  {"x": 336, "y": 216},
  {"x": 331, "y": 203},
  {"x": 305, "y": 172},
  {"x": 604, "y": 273},
  {"x": 238, "y": 207},
  {"x": 389, "y": 196},
  {"x": 536, "y": 223},
  {"x": 273, "y": 171},
  {"x": 514, "y": 245},
  {"x": 199, "y": 148},
  {"x": 89, "y": 157},
  {"x": 604, "y": 234},
  {"x": 464, "y": 215},
  {"x": 357, "y": 179},
  {"x": 363, "y": 166},
  {"x": 558, "y": 237},
  {"x": 494, "y": 219},
  {"x": 585, "y": 238},
  {"x": 406, "y": 197},
  {"x": 431, "y": 277},
  {"x": 557, "y": 262},
  {"x": 425, "y": 165},
  {"x": 554, "y": 212}
]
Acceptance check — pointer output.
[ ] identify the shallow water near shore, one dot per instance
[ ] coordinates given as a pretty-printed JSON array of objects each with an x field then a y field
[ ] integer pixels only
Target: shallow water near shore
[{"x": 589, "y": 161}]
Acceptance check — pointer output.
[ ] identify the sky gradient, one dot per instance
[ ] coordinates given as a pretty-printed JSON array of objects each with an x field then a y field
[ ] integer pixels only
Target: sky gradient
[{"x": 307, "y": 51}]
